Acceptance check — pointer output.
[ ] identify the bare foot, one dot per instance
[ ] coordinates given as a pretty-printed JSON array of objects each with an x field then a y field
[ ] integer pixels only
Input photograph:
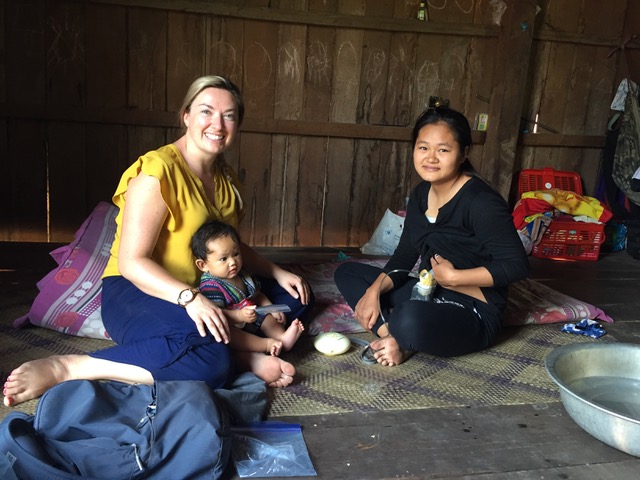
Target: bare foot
[
  {"x": 388, "y": 352},
  {"x": 32, "y": 379},
  {"x": 274, "y": 347},
  {"x": 292, "y": 334},
  {"x": 273, "y": 370}
]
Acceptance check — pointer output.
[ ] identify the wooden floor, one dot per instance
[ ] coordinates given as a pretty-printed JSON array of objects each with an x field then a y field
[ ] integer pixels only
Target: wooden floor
[{"x": 514, "y": 442}]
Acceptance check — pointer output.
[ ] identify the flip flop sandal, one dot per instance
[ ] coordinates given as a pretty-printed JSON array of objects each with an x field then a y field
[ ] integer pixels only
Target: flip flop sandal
[{"x": 367, "y": 355}]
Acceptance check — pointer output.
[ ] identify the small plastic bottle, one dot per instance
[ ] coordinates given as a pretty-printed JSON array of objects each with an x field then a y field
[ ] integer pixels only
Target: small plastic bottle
[{"x": 423, "y": 290}]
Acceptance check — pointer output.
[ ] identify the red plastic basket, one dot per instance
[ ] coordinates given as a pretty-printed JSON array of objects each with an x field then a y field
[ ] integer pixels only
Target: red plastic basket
[
  {"x": 548, "y": 178},
  {"x": 565, "y": 239}
]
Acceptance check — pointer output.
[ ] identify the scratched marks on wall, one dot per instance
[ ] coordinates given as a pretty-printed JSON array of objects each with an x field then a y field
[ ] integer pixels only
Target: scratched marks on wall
[
  {"x": 374, "y": 74},
  {"x": 258, "y": 67},
  {"x": 67, "y": 43},
  {"x": 227, "y": 60},
  {"x": 318, "y": 63},
  {"x": 290, "y": 64},
  {"x": 465, "y": 6}
]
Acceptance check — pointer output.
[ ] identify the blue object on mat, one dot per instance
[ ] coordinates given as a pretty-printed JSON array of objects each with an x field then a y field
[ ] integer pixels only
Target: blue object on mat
[
  {"x": 341, "y": 257},
  {"x": 586, "y": 327}
]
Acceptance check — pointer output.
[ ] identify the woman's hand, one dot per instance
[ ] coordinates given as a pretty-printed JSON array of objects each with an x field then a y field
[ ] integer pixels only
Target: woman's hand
[
  {"x": 209, "y": 317},
  {"x": 467, "y": 282},
  {"x": 368, "y": 309},
  {"x": 443, "y": 271},
  {"x": 292, "y": 283}
]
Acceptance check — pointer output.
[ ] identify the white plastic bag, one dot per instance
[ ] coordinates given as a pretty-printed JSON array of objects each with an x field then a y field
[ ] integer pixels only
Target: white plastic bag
[{"x": 386, "y": 236}]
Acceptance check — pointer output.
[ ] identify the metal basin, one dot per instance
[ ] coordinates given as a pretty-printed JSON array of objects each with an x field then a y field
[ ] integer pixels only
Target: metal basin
[{"x": 600, "y": 389}]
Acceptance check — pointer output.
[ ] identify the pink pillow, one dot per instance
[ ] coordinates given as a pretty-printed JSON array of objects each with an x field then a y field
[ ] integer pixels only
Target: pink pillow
[
  {"x": 69, "y": 298},
  {"x": 532, "y": 302}
]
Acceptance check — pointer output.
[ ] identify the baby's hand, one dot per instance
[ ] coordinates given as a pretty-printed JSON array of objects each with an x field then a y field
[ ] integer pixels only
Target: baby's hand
[
  {"x": 279, "y": 316},
  {"x": 249, "y": 313}
]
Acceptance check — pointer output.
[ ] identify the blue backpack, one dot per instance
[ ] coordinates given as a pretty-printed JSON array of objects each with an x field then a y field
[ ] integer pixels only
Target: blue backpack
[{"x": 110, "y": 430}]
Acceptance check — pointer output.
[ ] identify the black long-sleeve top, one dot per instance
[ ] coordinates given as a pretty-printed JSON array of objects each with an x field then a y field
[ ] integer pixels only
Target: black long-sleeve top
[{"x": 474, "y": 229}]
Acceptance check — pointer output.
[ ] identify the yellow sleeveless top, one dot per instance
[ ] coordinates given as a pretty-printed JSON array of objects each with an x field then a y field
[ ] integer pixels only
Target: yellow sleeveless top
[{"x": 188, "y": 205}]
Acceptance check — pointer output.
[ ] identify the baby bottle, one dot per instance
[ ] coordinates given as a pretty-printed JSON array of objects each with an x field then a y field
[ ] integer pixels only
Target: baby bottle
[{"x": 423, "y": 290}]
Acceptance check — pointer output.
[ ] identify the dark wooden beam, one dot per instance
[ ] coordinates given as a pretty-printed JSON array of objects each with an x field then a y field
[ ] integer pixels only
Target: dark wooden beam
[
  {"x": 252, "y": 125},
  {"x": 560, "y": 140},
  {"x": 313, "y": 18}
]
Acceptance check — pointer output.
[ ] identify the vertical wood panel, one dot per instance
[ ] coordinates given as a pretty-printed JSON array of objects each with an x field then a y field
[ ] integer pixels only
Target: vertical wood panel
[
  {"x": 68, "y": 172},
  {"x": 364, "y": 209},
  {"x": 260, "y": 70},
  {"x": 24, "y": 185},
  {"x": 26, "y": 208},
  {"x": 106, "y": 57},
  {"x": 225, "y": 57},
  {"x": 141, "y": 140},
  {"x": 107, "y": 157},
  {"x": 147, "y": 59},
  {"x": 317, "y": 105},
  {"x": 185, "y": 53},
  {"x": 25, "y": 51},
  {"x": 3, "y": 60},
  {"x": 341, "y": 152},
  {"x": 285, "y": 149},
  {"x": 507, "y": 99},
  {"x": 226, "y": 45},
  {"x": 391, "y": 183},
  {"x": 65, "y": 40},
  {"x": 5, "y": 180},
  {"x": 66, "y": 142},
  {"x": 106, "y": 60}
]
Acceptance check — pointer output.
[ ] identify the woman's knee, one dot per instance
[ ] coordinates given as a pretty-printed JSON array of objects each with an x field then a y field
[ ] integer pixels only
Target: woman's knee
[
  {"x": 210, "y": 363},
  {"x": 431, "y": 329}
]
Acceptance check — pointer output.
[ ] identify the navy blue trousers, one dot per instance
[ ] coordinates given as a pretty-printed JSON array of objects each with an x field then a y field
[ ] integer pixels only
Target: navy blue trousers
[{"x": 160, "y": 337}]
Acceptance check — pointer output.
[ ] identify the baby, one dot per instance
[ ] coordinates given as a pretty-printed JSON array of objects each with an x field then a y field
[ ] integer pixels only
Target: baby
[{"x": 216, "y": 247}]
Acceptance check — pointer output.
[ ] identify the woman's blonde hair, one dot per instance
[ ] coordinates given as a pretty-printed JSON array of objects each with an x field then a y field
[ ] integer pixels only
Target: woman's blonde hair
[{"x": 211, "y": 81}]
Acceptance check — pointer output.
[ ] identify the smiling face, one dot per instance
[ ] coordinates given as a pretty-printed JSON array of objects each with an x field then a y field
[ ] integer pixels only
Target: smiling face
[
  {"x": 211, "y": 121},
  {"x": 223, "y": 258},
  {"x": 437, "y": 155}
]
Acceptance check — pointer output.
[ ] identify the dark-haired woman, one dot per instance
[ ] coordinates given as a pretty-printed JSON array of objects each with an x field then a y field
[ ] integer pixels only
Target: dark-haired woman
[{"x": 461, "y": 229}]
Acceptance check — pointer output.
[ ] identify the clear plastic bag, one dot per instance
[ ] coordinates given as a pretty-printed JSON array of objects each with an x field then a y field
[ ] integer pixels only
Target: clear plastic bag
[
  {"x": 270, "y": 449},
  {"x": 386, "y": 236}
]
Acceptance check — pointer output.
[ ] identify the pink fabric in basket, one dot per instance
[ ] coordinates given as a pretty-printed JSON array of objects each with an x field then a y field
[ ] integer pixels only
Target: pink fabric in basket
[{"x": 69, "y": 298}]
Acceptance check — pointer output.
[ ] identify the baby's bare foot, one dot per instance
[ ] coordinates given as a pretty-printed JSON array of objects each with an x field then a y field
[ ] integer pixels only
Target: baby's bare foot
[
  {"x": 273, "y": 370},
  {"x": 292, "y": 334},
  {"x": 274, "y": 347}
]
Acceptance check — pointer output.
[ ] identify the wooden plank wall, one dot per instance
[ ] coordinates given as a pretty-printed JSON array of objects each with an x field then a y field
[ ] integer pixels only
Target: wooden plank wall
[
  {"x": 573, "y": 80},
  {"x": 331, "y": 87}
]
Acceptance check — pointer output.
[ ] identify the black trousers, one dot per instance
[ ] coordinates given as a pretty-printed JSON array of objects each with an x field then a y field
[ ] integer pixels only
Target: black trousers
[{"x": 451, "y": 324}]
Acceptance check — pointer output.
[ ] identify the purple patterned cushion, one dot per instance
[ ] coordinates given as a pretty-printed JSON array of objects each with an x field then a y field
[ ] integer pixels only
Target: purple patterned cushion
[{"x": 69, "y": 298}]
